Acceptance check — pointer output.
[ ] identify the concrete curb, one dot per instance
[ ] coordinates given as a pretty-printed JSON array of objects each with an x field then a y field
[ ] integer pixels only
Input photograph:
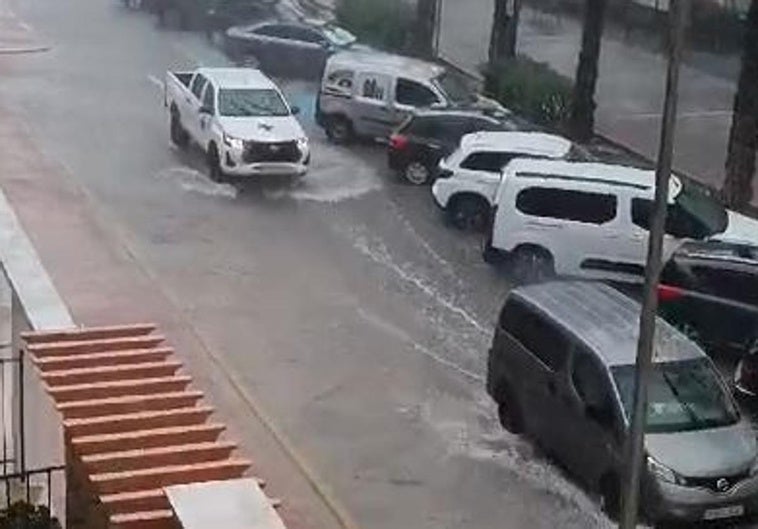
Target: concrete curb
[{"x": 27, "y": 49}]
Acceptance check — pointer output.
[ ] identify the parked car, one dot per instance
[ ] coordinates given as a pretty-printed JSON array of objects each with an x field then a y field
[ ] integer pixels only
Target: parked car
[
  {"x": 588, "y": 220},
  {"x": 561, "y": 369},
  {"x": 468, "y": 179},
  {"x": 289, "y": 48},
  {"x": 427, "y": 136},
  {"x": 208, "y": 15},
  {"x": 240, "y": 119},
  {"x": 369, "y": 94}
]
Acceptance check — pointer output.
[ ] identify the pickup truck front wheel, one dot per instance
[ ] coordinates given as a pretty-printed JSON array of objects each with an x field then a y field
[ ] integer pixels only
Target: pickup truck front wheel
[
  {"x": 179, "y": 136},
  {"x": 215, "y": 172}
]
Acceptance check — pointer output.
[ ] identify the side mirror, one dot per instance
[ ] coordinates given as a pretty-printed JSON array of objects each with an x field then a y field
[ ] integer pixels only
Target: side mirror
[
  {"x": 205, "y": 109},
  {"x": 295, "y": 110}
]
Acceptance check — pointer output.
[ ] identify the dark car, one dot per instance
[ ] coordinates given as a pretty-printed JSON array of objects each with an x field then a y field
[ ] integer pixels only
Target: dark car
[
  {"x": 417, "y": 146},
  {"x": 709, "y": 289},
  {"x": 208, "y": 15},
  {"x": 293, "y": 49}
]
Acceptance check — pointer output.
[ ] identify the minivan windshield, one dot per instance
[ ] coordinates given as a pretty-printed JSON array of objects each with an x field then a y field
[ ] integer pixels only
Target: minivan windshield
[
  {"x": 711, "y": 217},
  {"x": 682, "y": 396},
  {"x": 454, "y": 87},
  {"x": 246, "y": 102},
  {"x": 338, "y": 36}
]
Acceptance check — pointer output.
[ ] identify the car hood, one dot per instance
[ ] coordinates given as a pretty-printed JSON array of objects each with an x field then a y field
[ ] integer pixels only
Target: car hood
[
  {"x": 278, "y": 128},
  {"x": 740, "y": 229},
  {"x": 715, "y": 452}
]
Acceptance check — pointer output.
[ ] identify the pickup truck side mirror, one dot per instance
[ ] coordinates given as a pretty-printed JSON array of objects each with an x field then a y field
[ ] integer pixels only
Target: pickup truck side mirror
[
  {"x": 295, "y": 110},
  {"x": 205, "y": 109}
]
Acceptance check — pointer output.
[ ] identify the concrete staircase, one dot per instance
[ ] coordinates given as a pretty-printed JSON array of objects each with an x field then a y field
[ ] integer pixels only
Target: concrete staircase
[{"x": 131, "y": 421}]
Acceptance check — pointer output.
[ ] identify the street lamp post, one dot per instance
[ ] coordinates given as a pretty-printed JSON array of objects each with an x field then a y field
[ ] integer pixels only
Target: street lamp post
[{"x": 635, "y": 445}]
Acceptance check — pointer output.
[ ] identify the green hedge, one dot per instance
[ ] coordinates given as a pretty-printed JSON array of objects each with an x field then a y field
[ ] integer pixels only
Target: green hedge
[
  {"x": 531, "y": 89},
  {"x": 385, "y": 24},
  {"x": 22, "y": 515}
]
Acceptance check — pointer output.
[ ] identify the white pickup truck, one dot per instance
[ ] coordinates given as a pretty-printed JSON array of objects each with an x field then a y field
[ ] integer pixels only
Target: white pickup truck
[{"x": 240, "y": 119}]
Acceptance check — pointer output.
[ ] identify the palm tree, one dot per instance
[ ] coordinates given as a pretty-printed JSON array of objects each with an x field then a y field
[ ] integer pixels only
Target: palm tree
[
  {"x": 426, "y": 27},
  {"x": 743, "y": 137},
  {"x": 581, "y": 123},
  {"x": 504, "y": 32}
]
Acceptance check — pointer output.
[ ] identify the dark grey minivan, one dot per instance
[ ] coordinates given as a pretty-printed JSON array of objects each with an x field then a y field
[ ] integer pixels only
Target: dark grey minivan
[{"x": 561, "y": 369}]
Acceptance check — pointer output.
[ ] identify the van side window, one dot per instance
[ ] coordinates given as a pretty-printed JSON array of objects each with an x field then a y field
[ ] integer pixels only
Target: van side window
[
  {"x": 413, "y": 94},
  {"x": 679, "y": 223},
  {"x": 491, "y": 162},
  {"x": 209, "y": 98},
  {"x": 535, "y": 333},
  {"x": 566, "y": 204},
  {"x": 341, "y": 79},
  {"x": 373, "y": 87},
  {"x": 198, "y": 83},
  {"x": 591, "y": 386}
]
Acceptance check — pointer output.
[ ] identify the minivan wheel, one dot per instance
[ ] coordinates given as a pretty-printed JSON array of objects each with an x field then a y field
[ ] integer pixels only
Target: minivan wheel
[
  {"x": 416, "y": 173},
  {"x": 215, "y": 172},
  {"x": 468, "y": 213},
  {"x": 531, "y": 265},
  {"x": 490, "y": 254},
  {"x": 509, "y": 411},
  {"x": 339, "y": 130},
  {"x": 179, "y": 136}
]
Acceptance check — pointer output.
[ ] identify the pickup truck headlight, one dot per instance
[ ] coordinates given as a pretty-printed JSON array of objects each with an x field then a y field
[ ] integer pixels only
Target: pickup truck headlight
[
  {"x": 235, "y": 143},
  {"x": 663, "y": 472},
  {"x": 302, "y": 144}
]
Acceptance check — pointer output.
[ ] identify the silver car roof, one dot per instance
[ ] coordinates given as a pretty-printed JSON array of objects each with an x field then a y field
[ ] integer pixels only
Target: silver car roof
[
  {"x": 606, "y": 320},
  {"x": 386, "y": 63}
]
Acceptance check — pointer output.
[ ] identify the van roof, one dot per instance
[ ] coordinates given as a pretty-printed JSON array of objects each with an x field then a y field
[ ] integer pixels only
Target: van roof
[
  {"x": 606, "y": 320},
  {"x": 531, "y": 143},
  {"x": 386, "y": 63},
  {"x": 598, "y": 173},
  {"x": 237, "y": 77}
]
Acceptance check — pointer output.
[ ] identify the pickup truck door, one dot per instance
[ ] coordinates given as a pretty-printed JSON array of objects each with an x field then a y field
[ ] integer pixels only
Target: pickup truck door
[
  {"x": 206, "y": 119},
  {"x": 191, "y": 107}
]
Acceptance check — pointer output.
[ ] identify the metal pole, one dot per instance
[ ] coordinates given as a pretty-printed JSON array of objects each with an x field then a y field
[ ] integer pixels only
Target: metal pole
[
  {"x": 437, "y": 26},
  {"x": 635, "y": 443},
  {"x": 21, "y": 406}
]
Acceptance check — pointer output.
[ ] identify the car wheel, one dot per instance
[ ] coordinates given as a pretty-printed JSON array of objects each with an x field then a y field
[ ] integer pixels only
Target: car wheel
[
  {"x": 215, "y": 172},
  {"x": 610, "y": 497},
  {"x": 490, "y": 254},
  {"x": 416, "y": 173},
  {"x": 339, "y": 130},
  {"x": 468, "y": 213},
  {"x": 179, "y": 136},
  {"x": 509, "y": 412},
  {"x": 531, "y": 265}
]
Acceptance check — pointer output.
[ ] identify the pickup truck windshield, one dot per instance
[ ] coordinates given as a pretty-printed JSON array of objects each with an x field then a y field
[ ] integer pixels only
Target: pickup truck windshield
[
  {"x": 244, "y": 102},
  {"x": 455, "y": 87}
]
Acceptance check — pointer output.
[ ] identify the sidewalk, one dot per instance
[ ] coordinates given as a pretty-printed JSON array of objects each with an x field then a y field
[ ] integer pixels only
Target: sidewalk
[{"x": 92, "y": 264}]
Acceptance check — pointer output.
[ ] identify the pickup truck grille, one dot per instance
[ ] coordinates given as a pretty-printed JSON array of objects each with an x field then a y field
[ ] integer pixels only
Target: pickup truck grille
[{"x": 284, "y": 151}]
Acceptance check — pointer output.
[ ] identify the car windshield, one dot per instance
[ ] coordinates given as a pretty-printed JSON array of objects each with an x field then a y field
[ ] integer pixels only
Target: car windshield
[
  {"x": 682, "y": 396},
  {"x": 709, "y": 216},
  {"x": 338, "y": 36},
  {"x": 245, "y": 102},
  {"x": 455, "y": 87}
]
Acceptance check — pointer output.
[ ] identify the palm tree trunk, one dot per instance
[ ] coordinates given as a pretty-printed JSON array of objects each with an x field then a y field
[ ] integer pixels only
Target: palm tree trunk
[
  {"x": 504, "y": 32},
  {"x": 581, "y": 124},
  {"x": 426, "y": 22},
  {"x": 743, "y": 137}
]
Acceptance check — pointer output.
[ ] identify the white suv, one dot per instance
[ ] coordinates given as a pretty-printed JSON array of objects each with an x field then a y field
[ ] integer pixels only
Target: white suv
[
  {"x": 588, "y": 220},
  {"x": 468, "y": 178}
]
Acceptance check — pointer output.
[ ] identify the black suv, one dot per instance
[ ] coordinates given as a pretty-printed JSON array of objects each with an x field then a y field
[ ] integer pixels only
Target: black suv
[
  {"x": 709, "y": 289},
  {"x": 427, "y": 136}
]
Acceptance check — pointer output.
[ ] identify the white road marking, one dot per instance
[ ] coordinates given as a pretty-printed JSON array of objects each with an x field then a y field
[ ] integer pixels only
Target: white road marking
[{"x": 156, "y": 81}]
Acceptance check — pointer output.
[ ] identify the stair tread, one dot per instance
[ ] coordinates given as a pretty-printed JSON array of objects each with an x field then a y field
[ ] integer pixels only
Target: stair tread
[
  {"x": 147, "y": 432},
  {"x": 141, "y": 452},
  {"x": 107, "y": 476},
  {"x": 149, "y": 414}
]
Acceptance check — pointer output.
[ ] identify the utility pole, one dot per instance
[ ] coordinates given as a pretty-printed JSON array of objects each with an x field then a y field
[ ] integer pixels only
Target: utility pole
[
  {"x": 437, "y": 27},
  {"x": 635, "y": 449}
]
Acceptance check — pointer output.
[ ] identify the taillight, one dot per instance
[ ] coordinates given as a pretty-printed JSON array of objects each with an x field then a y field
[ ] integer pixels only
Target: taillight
[
  {"x": 667, "y": 293},
  {"x": 398, "y": 142}
]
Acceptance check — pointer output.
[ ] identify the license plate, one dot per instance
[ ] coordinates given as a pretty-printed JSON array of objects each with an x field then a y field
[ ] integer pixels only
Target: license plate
[{"x": 724, "y": 512}]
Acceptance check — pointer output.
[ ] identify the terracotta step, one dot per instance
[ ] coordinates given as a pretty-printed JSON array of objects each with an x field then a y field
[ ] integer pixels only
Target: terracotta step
[
  {"x": 98, "y": 444},
  {"x": 94, "y": 346},
  {"x": 130, "y": 404},
  {"x": 135, "y": 501},
  {"x": 110, "y": 358},
  {"x": 118, "y": 388},
  {"x": 161, "y": 456},
  {"x": 161, "y": 519},
  {"x": 137, "y": 421},
  {"x": 88, "y": 333},
  {"x": 147, "y": 500},
  {"x": 104, "y": 373},
  {"x": 133, "y": 480}
]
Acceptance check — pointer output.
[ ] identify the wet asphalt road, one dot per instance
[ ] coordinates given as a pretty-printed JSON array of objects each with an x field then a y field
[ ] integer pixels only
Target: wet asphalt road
[{"x": 359, "y": 320}]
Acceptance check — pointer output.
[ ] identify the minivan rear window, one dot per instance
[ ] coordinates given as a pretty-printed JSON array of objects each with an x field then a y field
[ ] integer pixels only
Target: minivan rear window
[
  {"x": 535, "y": 333},
  {"x": 567, "y": 204}
]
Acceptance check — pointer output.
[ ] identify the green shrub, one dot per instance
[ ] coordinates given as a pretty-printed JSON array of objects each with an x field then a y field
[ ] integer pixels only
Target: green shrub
[
  {"x": 22, "y": 515},
  {"x": 531, "y": 89},
  {"x": 385, "y": 24}
]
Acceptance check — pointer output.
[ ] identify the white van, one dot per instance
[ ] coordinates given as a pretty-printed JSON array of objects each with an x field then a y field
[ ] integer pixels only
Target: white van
[
  {"x": 588, "y": 219},
  {"x": 369, "y": 94},
  {"x": 468, "y": 179}
]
